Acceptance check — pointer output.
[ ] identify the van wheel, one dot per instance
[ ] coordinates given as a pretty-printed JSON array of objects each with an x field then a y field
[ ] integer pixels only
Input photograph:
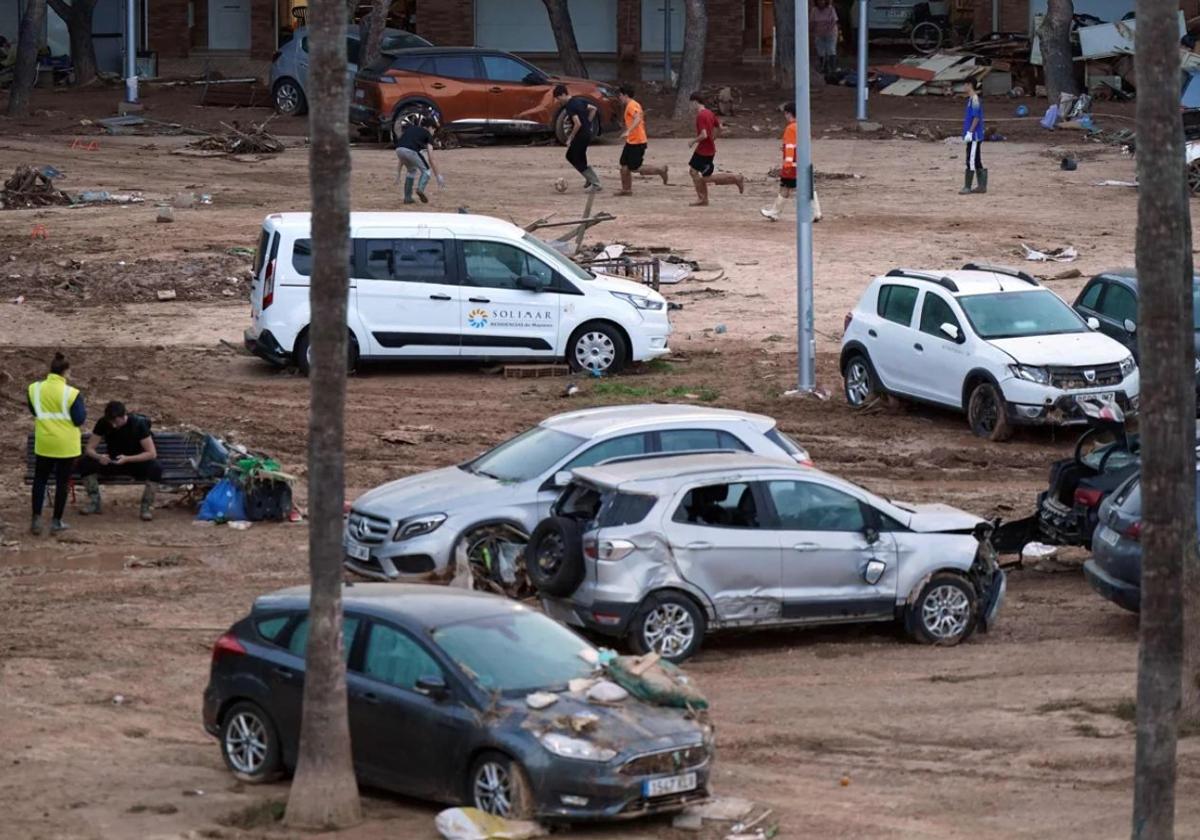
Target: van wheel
[
  {"x": 554, "y": 556},
  {"x": 597, "y": 349},
  {"x": 303, "y": 354},
  {"x": 987, "y": 413},
  {"x": 669, "y": 624}
]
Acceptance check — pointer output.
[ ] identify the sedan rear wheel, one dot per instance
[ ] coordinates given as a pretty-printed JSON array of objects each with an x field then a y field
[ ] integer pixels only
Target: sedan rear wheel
[
  {"x": 289, "y": 98},
  {"x": 988, "y": 414},
  {"x": 249, "y": 744},
  {"x": 499, "y": 786},
  {"x": 670, "y": 625},
  {"x": 860, "y": 382},
  {"x": 946, "y": 611}
]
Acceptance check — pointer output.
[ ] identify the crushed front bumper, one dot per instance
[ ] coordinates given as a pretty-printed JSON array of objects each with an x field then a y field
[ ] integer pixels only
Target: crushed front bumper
[{"x": 1062, "y": 410}]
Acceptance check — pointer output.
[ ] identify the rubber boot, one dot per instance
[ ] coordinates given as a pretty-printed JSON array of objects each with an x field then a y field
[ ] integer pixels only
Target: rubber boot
[
  {"x": 982, "y": 188},
  {"x": 57, "y": 526},
  {"x": 35, "y": 526},
  {"x": 593, "y": 180},
  {"x": 968, "y": 177},
  {"x": 148, "y": 501},
  {"x": 92, "y": 485}
]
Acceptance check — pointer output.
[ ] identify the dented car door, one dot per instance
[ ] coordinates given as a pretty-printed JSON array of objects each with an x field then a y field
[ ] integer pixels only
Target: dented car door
[{"x": 719, "y": 545}]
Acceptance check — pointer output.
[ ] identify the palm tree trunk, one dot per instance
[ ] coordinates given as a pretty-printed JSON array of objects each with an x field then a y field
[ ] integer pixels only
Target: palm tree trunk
[
  {"x": 1168, "y": 402},
  {"x": 324, "y": 793},
  {"x": 77, "y": 14},
  {"x": 33, "y": 23},
  {"x": 1055, "y": 37},
  {"x": 375, "y": 23},
  {"x": 691, "y": 67},
  {"x": 564, "y": 38}
]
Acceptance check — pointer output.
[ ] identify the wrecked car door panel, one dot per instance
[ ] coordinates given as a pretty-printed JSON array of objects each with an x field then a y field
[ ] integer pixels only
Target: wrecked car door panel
[
  {"x": 719, "y": 546},
  {"x": 836, "y": 564}
]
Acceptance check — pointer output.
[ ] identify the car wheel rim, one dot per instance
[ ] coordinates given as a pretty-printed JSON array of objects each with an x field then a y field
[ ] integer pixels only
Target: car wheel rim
[
  {"x": 858, "y": 383},
  {"x": 985, "y": 412},
  {"x": 1194, "y": 178},
  {"x": 493, "y": 789},
  {"x": 945, "y": 612},
  {"x": 246, "y": 742},
  {"x": 669, "y": 630},
  {"x": 595, "y": 351},
  {"x": 550, "y": 554},
  {"x": 287, "y": 98}
]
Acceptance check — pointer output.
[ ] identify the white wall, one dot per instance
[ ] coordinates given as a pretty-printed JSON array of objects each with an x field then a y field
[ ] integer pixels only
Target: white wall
[
  {"x": 652, "y": 25},
  {"x": 524, "y": 26}
]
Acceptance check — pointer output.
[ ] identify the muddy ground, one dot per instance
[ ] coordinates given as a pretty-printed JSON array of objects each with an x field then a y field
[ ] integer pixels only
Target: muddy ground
[{"x": 104, "y": 645}]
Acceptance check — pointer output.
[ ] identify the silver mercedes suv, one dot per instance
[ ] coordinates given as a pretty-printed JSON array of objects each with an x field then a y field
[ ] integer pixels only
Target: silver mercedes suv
[
  {"x": 661, "y": 551},
  {"x": 410, "y": 528}
]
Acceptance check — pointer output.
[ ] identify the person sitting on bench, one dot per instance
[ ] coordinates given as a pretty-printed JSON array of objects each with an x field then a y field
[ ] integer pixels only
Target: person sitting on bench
[{"x": 130, "y": 452}]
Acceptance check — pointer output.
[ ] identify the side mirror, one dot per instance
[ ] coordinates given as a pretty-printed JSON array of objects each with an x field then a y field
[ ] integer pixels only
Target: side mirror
[
  {"x": 534, "y": 79},
  {"x": 561, "y": 479},
  {"x": 872, "y": 535},
  {"x": 950, "y": 331},
  {"x": 874, "y": 571},
  {"x": 1093, "y": 323},
  {"x": 432, "y": 686},
  {"x": 1130, "y": 326},
  {"x": 533, "y": 283}
]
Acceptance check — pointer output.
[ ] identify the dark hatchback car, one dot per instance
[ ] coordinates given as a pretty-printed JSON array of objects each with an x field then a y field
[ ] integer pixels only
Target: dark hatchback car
[{"x": 437, "y": 681}]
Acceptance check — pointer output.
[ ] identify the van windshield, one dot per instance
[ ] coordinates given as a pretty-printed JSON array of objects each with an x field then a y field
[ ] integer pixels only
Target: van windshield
[{"x": 566, "y": 266}]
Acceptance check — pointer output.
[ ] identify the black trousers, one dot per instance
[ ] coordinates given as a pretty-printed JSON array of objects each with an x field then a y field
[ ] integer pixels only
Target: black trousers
[
  {"x": 43, "y": 468},
  {"x": 577, "y": 152},
  {"x": 975, "y": 156},
  {"x": 140, "y": 471}
]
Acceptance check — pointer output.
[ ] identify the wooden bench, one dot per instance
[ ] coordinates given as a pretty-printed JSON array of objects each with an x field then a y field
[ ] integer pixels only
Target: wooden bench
[{"x": 178, "y": 453}]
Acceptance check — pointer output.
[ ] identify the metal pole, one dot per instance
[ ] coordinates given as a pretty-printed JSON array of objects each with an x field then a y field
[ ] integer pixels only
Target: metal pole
[
  {"x": 131, "y": 82},
  {"x": 807, "y": 349},
  {"x": 861, "y": 110},
  {"x": 667, "y": 43}
]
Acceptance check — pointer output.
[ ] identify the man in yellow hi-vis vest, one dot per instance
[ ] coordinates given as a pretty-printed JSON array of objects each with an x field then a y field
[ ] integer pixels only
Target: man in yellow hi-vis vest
[{"x": 58, "y": 412}]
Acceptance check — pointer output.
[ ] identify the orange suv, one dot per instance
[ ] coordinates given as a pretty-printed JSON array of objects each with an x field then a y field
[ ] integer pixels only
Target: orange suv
[{"x": 471, "y": 89}]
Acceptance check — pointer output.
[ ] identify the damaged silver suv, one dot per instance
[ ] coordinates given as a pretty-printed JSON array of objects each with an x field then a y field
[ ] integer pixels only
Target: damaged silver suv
[{"x": 662, "y": 551}]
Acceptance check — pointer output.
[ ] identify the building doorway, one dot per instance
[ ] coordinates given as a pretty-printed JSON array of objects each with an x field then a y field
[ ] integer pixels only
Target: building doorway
[{"x": 229, "y": 25}]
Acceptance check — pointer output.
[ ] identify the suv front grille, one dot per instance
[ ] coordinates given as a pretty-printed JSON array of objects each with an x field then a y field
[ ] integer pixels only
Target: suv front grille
[
  {"x": 1074, "y": 378},
  {"x": 667, "y": 761},
  {"x": 367, "y": 529}
]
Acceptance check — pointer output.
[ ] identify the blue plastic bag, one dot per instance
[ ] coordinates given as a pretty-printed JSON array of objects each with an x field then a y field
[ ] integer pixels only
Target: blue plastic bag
[{"x": 226, "y": 502}]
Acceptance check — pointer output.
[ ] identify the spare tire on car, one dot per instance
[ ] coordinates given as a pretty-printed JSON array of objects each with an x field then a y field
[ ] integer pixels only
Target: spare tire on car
[{"x": 554, "y": 556}]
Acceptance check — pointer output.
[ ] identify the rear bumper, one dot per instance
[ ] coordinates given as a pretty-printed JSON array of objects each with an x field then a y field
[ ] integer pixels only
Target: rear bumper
[
  {"x": 265, "y": 346},
  {"x": 1062, "y": 525},
  {"x": 1127, "y": 596},
  {"x": 366, "y": 116},
  {"x": 608, "y": 618}
]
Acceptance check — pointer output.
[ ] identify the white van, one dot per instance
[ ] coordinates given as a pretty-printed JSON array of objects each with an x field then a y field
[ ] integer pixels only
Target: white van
[{"x": 453, "y": 286}]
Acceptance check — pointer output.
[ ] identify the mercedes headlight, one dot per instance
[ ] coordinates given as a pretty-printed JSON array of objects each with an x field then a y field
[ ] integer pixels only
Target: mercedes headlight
[
  {"x": 578, "y": 748},
  {"x": 1128, "y": 366},
  {"x": 639, "y": 302},
  {"x": 1031, "y": 373},
  {"x": 418, "y": 526}
]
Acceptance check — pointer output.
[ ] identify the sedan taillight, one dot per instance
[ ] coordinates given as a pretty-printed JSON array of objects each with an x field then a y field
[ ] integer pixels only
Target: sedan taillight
[
  {"x": 1089, "y": 497},
  {"x": 1134, "y": 531}
]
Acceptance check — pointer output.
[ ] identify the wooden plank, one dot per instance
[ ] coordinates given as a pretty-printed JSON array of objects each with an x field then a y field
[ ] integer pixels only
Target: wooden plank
[
  {"x": 534, "y": 371},
  {"x": 904, "y": 71},
  {"x": 903, "y": 87},
  {"x": 941, "y": 61}
]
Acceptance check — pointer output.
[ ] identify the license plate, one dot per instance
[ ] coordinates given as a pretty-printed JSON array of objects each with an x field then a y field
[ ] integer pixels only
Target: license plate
[
  {"x": 1102, "y": 396},
  {"x": 1110, "y": 536},
  {"x": 357, "y": 552},
  {"x": 669, "y": 785}
]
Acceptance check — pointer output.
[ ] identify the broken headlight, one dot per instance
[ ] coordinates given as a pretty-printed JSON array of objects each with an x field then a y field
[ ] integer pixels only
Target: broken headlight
[
  {"x": 419, "y": 526},
  {"x": 1128, "y": 366},
  {"x": 1031, "y": 373},
  {"x": 639, "y": 302},
  {"x": 569, "y": 747}
]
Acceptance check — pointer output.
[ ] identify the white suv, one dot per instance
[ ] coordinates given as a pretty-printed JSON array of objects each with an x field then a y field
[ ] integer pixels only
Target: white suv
[
  {"x": 985, "y": 340},
  {"x": 453, "y": 286}
]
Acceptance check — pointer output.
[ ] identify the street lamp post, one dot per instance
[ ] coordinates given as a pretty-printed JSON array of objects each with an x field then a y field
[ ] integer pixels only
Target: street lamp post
[{"x": 807, "y": 350}]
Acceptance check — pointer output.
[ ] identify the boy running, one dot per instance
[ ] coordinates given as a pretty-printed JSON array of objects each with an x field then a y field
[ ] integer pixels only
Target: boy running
[
  {"x": 635, "y": 143},
  {"x": 414, "y": 152},
  {"x": 580, "y": 115},
  {"x": 701, "y": 166},
  {"x": 973, "y": 137}
]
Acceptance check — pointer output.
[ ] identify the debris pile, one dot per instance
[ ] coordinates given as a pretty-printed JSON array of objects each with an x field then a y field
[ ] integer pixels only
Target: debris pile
[
  {"x": 29, "y": 187},
  {"x": 235, "y": 140},
  {"x": 940, "y": 74}
]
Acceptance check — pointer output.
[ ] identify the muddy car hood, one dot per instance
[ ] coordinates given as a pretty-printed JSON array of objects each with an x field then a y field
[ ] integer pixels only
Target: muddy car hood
[
  {"x": 630, "y": 727},
  {"x": 1072, "y": 350},
  {"x": 934, "y": 519},
  {"x": 439, "y": 491}
]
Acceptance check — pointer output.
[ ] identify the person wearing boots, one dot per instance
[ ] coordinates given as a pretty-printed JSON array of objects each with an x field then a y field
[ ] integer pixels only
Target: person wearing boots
[
  {"x": 414, "y": 152},
  {"x": 635, "y": 143},
  {"x": 823, "y": 24},
  {"x": 58, "y": 412},
  {"x": 581, "y": 113},
  {"x": 701, "y": 166},
  {"x": 973, "y": 138},
  {"x": 129, "y": 451}
]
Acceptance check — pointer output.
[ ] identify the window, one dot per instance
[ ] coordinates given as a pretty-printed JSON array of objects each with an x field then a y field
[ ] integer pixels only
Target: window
[
  {"x": 402, "y": 41},
  {"x": 618, "y": 447},
  {"x": 270, "y": 628},
  {"x": 624, "y": 509},
  {"x": 786, "y": 443},
  {"x": 501, "y": 68},
  {"x": 934, "y": 313},
  {"x": 690, "y": 440},
  {"x": 408, "y": 260},
  {"x": 1091, "y": 297},
  {"x": 1119, "y": 304},
  {"x": 302, "y": 257},
  {"x": 803, "y": 506},
  {"x": 455, "y": 66},
  {"x": 568, "y": 267},
  {"x": 298, "y": 643},
  {"x": 394, "y": 657},
  {"x": 719, "y": 505},
  {"x": 896, "y": 303},
  {"x": 352, "y": 51},
  {"x": 260, "y": 253},
  {"x": 495, "y": 265},
  {"x": 410, "y": 63}
]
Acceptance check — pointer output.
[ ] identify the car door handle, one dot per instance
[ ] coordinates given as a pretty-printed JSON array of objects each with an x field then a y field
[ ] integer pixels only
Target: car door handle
[
  {"x": 479, "y": 300},
  {"x": 918, "y": 348},
  {"x": 872, "y": 333},
  {"x": 369, "y": 697},
  {"x": 698, "y": 546},
  {"x": 496, "y": 90},
  {"x": 286, "y": 673},
  {"x": 440, "y": 297},
  {"x": 806, "y": 546}
]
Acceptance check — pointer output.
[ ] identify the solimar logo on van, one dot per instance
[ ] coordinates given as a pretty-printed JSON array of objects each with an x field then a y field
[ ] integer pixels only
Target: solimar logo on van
[{"x": 478, "y": 318}]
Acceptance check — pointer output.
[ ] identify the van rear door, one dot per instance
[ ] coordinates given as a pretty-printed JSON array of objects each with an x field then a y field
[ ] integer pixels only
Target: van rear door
[{"x": 263, "y": 283}]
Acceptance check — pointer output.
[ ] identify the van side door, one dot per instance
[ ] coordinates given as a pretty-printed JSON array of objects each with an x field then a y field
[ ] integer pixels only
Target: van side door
[{"x": 510, "y": 301}]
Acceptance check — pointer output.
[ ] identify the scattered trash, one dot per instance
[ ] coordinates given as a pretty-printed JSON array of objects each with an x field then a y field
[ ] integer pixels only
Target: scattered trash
[
  {"x": 1069, "y": 164},
  {"x": 1110, "y": 183},
  {"x": 474, "y": 824},
  {"x": 165, "y": 294},
  {"x": 187, "y": 200},
  {"x": 1022, "y": 111},
  {"x": 540, "y": 699},
  {"x": 118, "y": 699},
  {"x": 720, "y": 329},
  {"x": 239, "y": 524},
  {"x": 17, "y": 299},
  {"x": 1065, "y": 254},
  {"x": 687, "y": 821},
  {"x": 407, "y": 435},
  {"x": 723, "y": 808},
  {"x": 240, "y": 251},
  {"x": 654, "y": 680},
  {"x": 571, "y": 390},
  {"x": 1038, "y": 551},
  {"x": 236, "y": 140},
  {"x": 165, "y": 215},
  {"x": 29, "y": 187},
  {"x": 1069, "y": 274},
  {"x": 845, "y": 781},
  {"x": 583, "y": 721},
  {"x": 606, "y": 691}
]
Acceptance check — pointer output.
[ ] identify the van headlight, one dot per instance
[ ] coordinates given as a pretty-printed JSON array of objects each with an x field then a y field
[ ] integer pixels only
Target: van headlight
[
  {"x": 1031, "y": 373},
  {"x": 568, "y": 747},
  {"x": 640, "y": 302},
  {"x": 419, "y": 526},
  {"x": 1128, "y": 366}
]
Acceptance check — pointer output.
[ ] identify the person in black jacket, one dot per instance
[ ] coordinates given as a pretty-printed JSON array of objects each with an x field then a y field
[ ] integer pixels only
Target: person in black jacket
[
  {"x": 129, "y": 450},
  {"x": 581, "y": 114}
]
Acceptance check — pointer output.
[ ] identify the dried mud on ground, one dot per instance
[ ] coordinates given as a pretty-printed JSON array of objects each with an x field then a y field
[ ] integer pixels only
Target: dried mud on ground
[{"x": 1023, "y": 732}]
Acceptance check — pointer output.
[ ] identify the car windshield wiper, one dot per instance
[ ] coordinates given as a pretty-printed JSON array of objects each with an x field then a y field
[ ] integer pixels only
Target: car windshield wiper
[{"x": 486, "y": 474}]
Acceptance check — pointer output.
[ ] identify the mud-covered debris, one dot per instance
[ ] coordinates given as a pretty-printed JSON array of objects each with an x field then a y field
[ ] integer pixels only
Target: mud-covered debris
[
  {"x": 606, "y": 691},
  {"x": 540, "y": 699},
  {"x": 474, "y": 824},
  {"x": 235, "y": 140},
  {"x": 29, "y": 187}
]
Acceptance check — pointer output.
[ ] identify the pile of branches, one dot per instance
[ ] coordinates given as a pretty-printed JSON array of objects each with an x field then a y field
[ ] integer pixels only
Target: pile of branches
[
  {"x": 235, "y": 140},
  {"x": 29, "y": 187}
]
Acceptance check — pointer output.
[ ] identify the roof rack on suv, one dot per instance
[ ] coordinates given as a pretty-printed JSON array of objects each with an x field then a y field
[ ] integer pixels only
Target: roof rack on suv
[
  {"x": 944, "y": 282},
  {"x": 1002, "y": 269}
]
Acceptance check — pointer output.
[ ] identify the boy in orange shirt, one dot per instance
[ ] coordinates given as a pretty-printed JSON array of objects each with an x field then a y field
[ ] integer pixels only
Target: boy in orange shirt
[
  {"x": 635, "y": 143},
  {"x": 787, "y": 172}
]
